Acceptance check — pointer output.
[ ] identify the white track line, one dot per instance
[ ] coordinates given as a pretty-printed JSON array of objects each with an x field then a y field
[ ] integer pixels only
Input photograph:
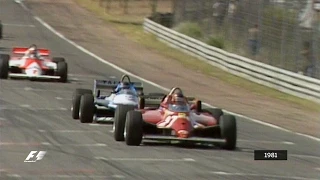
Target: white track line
[
  {"x": 317, "y": 158},
  {"x": 149, "y": 82},
  {"x": 94, "y": 124},
  {"x": 33, "y": 108},
  {"x": 47, "y": 90},
  {"x": 69, "y": 131},
  {"x": 32, "y": 89},
  {"x": 77, "y": 145},
  {"x": 74, "y": 176},
  {"x": 3, "y": 119},
  {"x": 13, "y": 175},
  {"x": 231, "y": 158},
  {"x": 19, "y": 25},
  {"x": 85, "y": 76},
  {"x": 146, "y": 159},
  {"x": 19, "y": 144},
  {"x": 260, "y": 175},
  {"x": 66, "y": 176},
  {"x": 265, "y": 142},
  {"x": 64, "y": 99}
]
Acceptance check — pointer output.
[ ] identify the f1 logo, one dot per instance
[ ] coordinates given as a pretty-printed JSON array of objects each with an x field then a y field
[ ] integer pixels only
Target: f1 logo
[{"x": 31, "y": 155}]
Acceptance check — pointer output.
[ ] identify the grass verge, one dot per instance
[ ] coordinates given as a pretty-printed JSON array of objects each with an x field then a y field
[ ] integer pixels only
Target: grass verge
[{"x": 135, "y": 33}]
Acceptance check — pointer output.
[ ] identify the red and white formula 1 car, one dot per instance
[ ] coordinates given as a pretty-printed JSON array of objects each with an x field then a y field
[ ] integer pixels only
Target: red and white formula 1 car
[
  {"x": 33, "y": 63},
  {"x": 176, "y": 119}
]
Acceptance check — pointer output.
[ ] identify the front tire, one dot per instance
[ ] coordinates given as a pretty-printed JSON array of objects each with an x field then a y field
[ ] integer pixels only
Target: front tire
[
  {"x": 134, "y": 130},
  {"x": 76, "y": 97},
  {"x": 228, "y": 128},
  {"x": 120, "y": 121},
  {"x": 62, "y": 71},
  {"x": 86, "y": 108}
]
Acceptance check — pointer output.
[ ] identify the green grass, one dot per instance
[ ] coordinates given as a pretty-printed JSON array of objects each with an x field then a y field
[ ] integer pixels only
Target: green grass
[
  {"x": 216, "y": 41},
  {"x": 136, "y": 34},
  {"x": 190, "y": 29}
]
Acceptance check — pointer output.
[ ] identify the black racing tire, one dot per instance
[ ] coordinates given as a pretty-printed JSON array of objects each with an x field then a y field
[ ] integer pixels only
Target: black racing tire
[
  {"x": 58, "y": 59},
  {"x": 86, "y": 108},
  {"x": 120, "y": 121},
  {"x": 134, "y": 128},
  {"x": 62, "y": 71},
  {"x": 228, "y": 128},
  {"x": 76, "y": 97},
  {"x": 215, "y": 112},
  {"x": 4, "y": 66}
]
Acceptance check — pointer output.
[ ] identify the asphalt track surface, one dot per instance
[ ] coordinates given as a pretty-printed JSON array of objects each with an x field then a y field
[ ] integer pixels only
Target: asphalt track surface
[{"x": 35, "y": 116}]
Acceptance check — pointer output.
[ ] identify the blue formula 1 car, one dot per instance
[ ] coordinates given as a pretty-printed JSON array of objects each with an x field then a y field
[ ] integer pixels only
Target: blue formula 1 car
[{"x": 91, "y": 106}]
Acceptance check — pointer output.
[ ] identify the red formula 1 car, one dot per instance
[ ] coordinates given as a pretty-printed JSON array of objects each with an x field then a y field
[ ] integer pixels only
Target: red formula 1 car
[
  {"x": 32, "y": 63},
  {"x": 176, "y": 119}
]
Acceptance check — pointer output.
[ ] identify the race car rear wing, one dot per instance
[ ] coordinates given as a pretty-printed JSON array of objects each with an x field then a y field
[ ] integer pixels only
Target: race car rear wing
[
  {"x": 159, "y": 96},
  {"x": 22, "y": 51},
  {"x": 112, "y": 84}
]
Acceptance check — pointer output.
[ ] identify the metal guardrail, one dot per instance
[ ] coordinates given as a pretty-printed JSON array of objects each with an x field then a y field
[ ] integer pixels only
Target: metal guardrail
[{"x": 280, "y": 79}]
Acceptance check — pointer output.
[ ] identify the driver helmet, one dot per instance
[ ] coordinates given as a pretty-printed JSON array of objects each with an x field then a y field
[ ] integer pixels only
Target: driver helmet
[
  {"x": 124, "y": 85},
  {"x": 32, "y": 52},
  {"x": 178, "y": 99}
]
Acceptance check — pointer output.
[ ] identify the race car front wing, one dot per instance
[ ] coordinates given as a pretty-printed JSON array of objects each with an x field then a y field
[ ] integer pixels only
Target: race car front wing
[
  {"x": 189, "y": 139},
  {"x": 19, "y": 75}
]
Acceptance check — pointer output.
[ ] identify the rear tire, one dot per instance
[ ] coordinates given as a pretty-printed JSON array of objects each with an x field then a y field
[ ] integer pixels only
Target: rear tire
[
  {"x": 76, "y": 97},
  {"x": 4, "y": 66},
  {"x": 134, "y": 130},
  {"x": 120, "y": 121},
  {"x": 86, "y": 108},
  {"x": 228, "y": 128},
  {"x": 62, "y": 71}
]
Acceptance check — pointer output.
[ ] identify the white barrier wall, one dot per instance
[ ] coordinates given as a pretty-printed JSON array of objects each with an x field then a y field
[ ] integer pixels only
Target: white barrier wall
[{"x": 282, "y": 80}]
